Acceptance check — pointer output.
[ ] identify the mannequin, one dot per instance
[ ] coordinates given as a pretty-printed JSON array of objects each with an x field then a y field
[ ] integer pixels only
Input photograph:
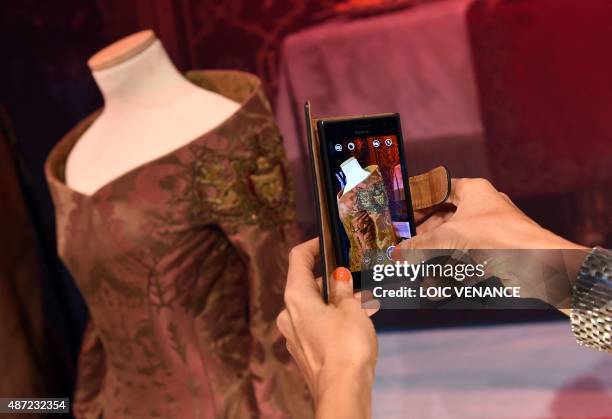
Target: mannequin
[
  {"x": 182, "y": 260},
  {"x": 150, "y": 110},
  {"x": 354, "y": 174},
  {"x": 363, "y": 207}
]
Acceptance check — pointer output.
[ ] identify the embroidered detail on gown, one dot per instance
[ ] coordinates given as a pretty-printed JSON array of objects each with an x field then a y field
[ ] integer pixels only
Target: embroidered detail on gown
[{"x": 364, "y": 212}]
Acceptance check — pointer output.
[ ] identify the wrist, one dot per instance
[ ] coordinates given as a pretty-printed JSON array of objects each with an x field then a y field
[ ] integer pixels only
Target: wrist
[
  {"x": 348, "y": 384},
  {"x": 537, "y": 237}
]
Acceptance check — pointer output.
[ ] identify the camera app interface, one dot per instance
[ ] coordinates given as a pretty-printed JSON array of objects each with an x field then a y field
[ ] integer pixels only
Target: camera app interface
[{"x": 372, "y": 208}]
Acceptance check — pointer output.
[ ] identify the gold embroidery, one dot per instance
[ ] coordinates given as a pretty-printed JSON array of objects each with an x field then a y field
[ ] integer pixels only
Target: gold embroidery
[
  {"x": 269, "y": 187},
  {"x": 242, "y": 183}
]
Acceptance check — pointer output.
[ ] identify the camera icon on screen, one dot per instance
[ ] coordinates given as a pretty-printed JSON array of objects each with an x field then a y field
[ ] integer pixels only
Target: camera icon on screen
[
  {"x": 376, "y": 143},
  {"x": 388, "y": 142},
  {"x": 338, "y": 147},
  {"x": 350, "y": 146}
]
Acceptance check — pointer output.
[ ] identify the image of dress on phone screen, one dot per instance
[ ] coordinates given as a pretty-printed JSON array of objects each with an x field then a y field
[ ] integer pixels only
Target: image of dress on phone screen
[{"x": 363, "y": 206}]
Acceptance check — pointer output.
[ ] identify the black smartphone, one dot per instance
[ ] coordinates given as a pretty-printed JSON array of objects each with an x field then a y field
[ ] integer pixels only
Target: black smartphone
[{"x": 367, "y": 188}]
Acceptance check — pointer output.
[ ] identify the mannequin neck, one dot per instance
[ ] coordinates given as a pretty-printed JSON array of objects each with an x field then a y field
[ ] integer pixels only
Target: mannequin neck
[
  {"x": 354, "y": 173},
  {"x": 148, "y": 79}
]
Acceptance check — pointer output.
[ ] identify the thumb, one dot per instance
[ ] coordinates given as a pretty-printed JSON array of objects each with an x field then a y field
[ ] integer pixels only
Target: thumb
[
  {"x": 419, "y": 248},
  {"x": 422, "y": 241},
  {"x": 341, "y": 286}
]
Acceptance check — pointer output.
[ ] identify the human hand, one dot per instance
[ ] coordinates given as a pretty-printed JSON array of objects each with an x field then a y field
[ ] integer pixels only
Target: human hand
[
  {"x": 480, "y": 217},
  {"x": 333, "y": 344}
]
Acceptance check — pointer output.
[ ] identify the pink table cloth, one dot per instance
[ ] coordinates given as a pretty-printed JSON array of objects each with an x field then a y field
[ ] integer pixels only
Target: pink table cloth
[
  {"x": 525, "y": 371},
  {"x": 415, "y": 61}
]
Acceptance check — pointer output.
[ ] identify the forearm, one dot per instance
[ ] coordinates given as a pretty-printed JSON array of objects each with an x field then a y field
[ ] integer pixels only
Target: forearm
[
  {"x": 561, "y": 258},
  {"x": 345, "y": 393}
]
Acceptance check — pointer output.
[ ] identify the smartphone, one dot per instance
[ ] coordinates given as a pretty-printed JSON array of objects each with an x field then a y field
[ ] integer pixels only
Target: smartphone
[{"x": 368, "y": 196}]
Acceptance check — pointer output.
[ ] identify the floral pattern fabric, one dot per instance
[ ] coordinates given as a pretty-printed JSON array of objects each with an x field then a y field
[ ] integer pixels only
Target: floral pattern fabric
[
  {"x": 364, "y": 212},
  {"x": 182, "y": 263}
]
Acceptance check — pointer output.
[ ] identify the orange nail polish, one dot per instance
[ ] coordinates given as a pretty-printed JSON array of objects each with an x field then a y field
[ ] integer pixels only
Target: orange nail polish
[{"x": 342, "y": 274}]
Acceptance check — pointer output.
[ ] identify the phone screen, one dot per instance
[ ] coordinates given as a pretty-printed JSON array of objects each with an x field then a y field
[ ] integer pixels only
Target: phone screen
[{"x": 367, "y": 188}]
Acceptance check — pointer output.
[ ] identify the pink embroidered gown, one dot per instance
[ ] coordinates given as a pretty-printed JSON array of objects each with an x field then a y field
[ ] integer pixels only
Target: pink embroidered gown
[{"x": 182, "y": 263}]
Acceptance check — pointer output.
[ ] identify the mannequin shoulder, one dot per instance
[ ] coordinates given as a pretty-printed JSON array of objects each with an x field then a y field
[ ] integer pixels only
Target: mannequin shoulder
[
  {"x": 210, "y": 103},
  {"x": 122, "y": 139}
]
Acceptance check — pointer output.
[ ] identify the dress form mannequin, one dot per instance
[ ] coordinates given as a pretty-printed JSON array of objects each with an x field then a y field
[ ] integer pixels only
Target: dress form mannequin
[
  {"x": 150, "y": 109},
  {"x": 354, "y": 174}
]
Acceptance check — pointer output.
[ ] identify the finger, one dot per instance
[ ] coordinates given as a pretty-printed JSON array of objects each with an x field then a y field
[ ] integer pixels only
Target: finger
[
  {"x": 462, "y": 189},
  {"x": 421, "y": 241},
  {"x": 302, "y": 259},
  {"x": 371, "y": 307},
  {"x": 319, "y": 282},
  {"x": 369, "y": 304},
  {"x": 434, "y": 222},
  {"x": 364, "y": 295},
  {"x": 435, "y": 282},
  {"x": 422, "y": 214},
  {"x": 292, "y": 350},
  {"x": 301, "y": 284},
  {"x": 420, "y": 249},
  {"x": 285, "y": 326},
  {"x": 283, "y": 322},
  {"x": 298, "y": 356},
  {"x": 341, "y": 285},
  {"x": 457, "y": 191}
]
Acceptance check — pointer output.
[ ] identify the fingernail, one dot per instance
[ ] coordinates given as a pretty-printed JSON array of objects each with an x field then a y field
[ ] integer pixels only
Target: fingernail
[{"x": 342, "y": 274}]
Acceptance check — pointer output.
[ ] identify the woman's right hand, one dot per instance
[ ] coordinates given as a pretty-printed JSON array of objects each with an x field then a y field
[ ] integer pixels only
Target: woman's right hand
[{"x": 334, "y": 344}]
